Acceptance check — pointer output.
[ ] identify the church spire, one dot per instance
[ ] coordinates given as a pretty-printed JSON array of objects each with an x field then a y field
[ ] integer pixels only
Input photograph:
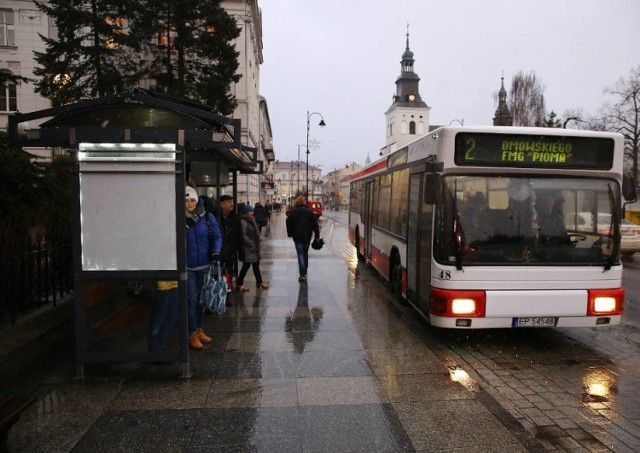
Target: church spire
[
  {"x": 408, "y": 116},
  {"x": 407, "y": 56},
  {"x": 502, "y": 116},
  {"x": 407, "y": 83}
]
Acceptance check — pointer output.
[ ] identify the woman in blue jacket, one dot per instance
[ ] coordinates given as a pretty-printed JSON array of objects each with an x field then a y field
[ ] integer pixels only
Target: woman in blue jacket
[{"x": 204, "y": 242}]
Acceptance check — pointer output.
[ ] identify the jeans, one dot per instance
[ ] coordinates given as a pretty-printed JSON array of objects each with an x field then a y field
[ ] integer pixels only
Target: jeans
[
  {"x": 162, "y": 320},
  {"x": 195, "y": 281},
  {"x": 302, "y": 249}
]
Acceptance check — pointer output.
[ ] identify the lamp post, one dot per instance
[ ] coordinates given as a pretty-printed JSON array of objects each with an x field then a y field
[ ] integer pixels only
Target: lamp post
[
  {"x": 459, "y": 121},
  {"x": 321, "y": 124},
  {"x": 299, "y": 168}
]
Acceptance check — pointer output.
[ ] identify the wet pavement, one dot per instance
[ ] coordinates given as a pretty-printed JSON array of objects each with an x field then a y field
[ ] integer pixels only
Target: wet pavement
[{"x": 324, "y": 366}]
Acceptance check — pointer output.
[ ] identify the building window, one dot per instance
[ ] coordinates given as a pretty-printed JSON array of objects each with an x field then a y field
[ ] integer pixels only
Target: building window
[
  {"x": 7, "y": 34},
  {"x": 8, "y": 95},
  {"x": 167, "y": 35},
  {"x": 412, "y": 127},
  {"x": 117, "y": 28}
]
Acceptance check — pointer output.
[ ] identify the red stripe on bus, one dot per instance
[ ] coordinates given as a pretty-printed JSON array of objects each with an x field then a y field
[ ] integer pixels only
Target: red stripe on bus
[
  {"x": 374, "y": 168},
  {"x": 380, "y": 261}
]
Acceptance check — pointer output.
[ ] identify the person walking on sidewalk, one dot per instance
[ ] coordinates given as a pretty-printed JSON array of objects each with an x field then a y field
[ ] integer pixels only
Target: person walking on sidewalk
[
  {"x": 301, "y": 225},
  {"x": 249, "y": 249},
  {"x": 204, "y": 243}
]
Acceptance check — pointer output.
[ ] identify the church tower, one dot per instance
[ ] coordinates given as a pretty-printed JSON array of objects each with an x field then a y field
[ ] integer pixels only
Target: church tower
[
  {"x": 502, "y": 116},
  {"x": 408, "y": 117}
]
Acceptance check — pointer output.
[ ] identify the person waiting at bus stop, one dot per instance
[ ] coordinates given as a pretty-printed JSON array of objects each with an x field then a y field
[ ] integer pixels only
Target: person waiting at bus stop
[
  {"x": 204, "y": 243},
  {"x": 301, "y": 225},
  {"x": 229, "y": 224}
]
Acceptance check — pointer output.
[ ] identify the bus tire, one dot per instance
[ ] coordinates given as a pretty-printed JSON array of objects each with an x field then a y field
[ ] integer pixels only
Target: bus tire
[
  {"x": 395, "y": 275},
  {"x": 357, "y": 244}
]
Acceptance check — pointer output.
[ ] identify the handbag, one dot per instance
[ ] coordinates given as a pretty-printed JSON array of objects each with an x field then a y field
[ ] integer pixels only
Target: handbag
[
  {"x": 213, "y": 295},
  {"x": 317, "y": 244}
]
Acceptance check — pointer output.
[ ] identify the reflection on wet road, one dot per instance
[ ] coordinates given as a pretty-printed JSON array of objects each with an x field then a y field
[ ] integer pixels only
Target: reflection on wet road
[
  {"x": 571, "y": 388},
  {"x": 339, "y": 364}
]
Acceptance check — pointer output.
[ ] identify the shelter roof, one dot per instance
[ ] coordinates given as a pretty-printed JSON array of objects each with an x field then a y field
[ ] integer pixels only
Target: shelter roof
[{"x": 139, "y": 116}]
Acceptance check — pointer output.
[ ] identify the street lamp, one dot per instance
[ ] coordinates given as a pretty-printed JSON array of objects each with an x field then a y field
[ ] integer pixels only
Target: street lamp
[
  {"x": 459, "y": 121},
  {"x": 299, "y": 168},
  {"x": 321, "y": 124}
]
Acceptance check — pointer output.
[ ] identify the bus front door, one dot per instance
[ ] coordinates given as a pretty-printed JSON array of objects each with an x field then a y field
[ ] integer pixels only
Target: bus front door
[
  {"x": 418, "y": 246},
  {"x": 413, "y": 239}
]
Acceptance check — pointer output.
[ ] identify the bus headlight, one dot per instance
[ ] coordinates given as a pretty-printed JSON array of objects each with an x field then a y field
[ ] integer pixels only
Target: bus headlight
[
  {"x": 463, "y": 306},
  {"x": 605, "y": 302},
  {"x": 456, "y": 303}
]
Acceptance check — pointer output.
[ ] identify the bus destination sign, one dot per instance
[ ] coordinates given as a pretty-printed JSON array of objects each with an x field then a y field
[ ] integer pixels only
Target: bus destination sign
[{"x": 533, "y": 151}]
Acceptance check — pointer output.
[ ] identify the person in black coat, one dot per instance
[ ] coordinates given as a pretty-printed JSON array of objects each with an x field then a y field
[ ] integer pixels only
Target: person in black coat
[
  {"x": 301, "y": 225},
  {"x": 229, "y": 225},
  {"x": 260, "y": 216}
]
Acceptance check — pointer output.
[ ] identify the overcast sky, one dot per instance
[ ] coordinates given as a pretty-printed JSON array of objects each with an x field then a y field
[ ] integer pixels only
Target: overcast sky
[{"x": 341, "y": 58}]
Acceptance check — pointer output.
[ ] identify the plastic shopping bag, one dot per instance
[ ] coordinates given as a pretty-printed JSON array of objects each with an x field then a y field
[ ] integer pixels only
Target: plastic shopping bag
[{"x": 214, "y": 291}]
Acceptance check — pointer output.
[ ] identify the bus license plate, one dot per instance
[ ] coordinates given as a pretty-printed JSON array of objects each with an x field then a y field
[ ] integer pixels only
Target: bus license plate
[{"x": 548, "y": 321}]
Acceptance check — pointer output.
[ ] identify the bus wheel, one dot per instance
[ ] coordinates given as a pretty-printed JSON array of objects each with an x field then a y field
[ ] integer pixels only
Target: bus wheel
[
  {"x": 357, "y": 241},
  {"x": 396, "y": 275}
]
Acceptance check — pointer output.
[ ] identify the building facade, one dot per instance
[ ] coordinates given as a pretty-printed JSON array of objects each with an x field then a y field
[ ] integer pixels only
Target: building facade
[
  {"x": 252, "y": 108},
  {"x": 289, "y": 181},
  {"x": 21, "y": 23},
  {"x": 336, "y": 187}
]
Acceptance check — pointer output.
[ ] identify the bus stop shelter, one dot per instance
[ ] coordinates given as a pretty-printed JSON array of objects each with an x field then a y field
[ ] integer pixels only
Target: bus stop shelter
[{"x": 132, "y": 154}]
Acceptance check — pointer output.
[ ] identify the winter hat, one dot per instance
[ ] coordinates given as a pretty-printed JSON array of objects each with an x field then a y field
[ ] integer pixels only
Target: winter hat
[
  {"x": 247, "y": 208},
  {"x": 190, "y": 192},
  {"x": 226, "y": 197}
]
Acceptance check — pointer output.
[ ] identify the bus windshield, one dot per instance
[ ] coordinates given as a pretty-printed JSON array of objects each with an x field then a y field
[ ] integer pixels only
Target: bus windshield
[{"x": 532, "y": 220}]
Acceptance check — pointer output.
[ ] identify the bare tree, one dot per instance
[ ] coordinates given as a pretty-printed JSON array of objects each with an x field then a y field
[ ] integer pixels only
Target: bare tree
[
  {"x": 526, "y": 100},
  {"x": 623, "y": 115},
  {"x": 575, "y": 119}
]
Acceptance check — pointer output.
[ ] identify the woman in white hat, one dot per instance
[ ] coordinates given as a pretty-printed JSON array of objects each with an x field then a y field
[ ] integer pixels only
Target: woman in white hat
[{"x": 204, "y": 242}]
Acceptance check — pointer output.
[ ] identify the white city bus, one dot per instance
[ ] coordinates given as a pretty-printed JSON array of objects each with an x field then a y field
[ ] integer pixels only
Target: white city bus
[{"x": 494, "y": 227}]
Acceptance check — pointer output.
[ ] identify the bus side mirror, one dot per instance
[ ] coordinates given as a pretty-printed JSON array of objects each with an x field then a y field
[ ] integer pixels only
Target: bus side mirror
[
  {"x": 432, "y": 186},
  {"x": 628, "y": 189}
]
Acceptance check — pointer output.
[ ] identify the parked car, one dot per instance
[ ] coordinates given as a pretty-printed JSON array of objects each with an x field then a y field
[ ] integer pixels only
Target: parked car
[
  {"x": 316, "y": 207},
  {"x": 629, "y": 231}
]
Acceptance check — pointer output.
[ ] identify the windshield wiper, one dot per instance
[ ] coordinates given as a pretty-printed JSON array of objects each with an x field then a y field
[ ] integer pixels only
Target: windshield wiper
[
  {"x": 615, "y": 228},
  {"x": 457, "y": 230}
]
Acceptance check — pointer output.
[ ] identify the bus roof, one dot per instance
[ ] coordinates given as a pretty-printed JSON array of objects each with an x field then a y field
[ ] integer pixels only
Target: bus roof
[{"x": 443, "y": 138}]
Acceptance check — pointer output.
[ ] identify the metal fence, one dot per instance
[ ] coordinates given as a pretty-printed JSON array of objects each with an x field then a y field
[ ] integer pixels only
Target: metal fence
[{"x": 34, "y": 273}]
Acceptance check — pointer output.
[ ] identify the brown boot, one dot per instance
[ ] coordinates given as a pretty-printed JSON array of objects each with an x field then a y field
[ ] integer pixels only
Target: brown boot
[
  {"x": 204, "y": 338},
  {"x": 194, "y": 341}
]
